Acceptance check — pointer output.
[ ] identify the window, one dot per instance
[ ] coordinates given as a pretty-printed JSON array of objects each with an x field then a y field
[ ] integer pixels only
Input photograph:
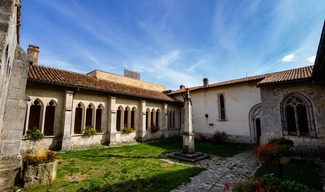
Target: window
[
  {"x": 49, "y": 119},
  {"x": 222, "y": 109},
  {"x": 99, "y": 118},
  {"x": 89, "y": 116},
  {"x": 34, "y": 121},
  {"x": 297, "y": 116},
  {"x": 78, "y": 119},
  {"x": 157, "y": 117},
  {"x": 151, "y": 118},
  {"x": 147, "y": 118},
  {"x": 133, "y": 117},
  {"x": 118, "y": 118},
  {"x": 126, "y": 117}
]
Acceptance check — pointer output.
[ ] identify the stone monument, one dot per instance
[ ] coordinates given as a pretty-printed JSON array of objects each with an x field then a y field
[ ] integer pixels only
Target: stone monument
[{"x": 188, "y": 153}]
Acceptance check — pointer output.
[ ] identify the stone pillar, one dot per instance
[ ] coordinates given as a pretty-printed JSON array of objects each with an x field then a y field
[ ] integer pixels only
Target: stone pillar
[
  {"x": 13, "y": 121},
  {"x": 67, "y": 119},
  {"x": 188, "y": 135},
  {"x": 142, "y": 118},
  {"x": 112, "y": 124}
]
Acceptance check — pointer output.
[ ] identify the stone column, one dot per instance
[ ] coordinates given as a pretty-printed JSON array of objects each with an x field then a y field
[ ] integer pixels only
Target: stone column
[
  {"x": 142, "y": 118},
  {"x": 67, "y": 119},
  {"x": 188, "y": 135},
  {"x": 112, "y": 124}
]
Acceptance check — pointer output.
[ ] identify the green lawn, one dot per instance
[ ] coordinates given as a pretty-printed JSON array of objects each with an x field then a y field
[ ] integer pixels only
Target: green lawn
[{"x": 129, "y": 168}]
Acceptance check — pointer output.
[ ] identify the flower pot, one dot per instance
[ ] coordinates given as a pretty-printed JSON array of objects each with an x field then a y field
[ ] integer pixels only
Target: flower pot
[
  {"x": 42, "y": 174},
  {"x": 284, "y": 160}
]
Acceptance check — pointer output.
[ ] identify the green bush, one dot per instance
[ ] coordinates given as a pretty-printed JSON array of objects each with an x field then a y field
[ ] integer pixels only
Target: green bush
[
  {"x": 127, "y": 130},
  {"x": 271, "y": 184},
  {"x": 34, "y": 134},
  {"x": 89, "y": 132},
  {"x": 281, "y": 141},
  {"x": 220, "y": 137}
]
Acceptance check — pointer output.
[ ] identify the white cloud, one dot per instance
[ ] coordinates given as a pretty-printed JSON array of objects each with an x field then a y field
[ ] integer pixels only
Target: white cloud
[
  {"x": 288, "y": 58},
  {"x": 311, "y": 59}
]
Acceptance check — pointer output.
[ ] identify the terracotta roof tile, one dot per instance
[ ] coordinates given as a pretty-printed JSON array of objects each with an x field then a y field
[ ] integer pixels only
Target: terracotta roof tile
[
  {"x": 54, "y": 76},
  {"x": 224, "y": 83},
  {"x": 299, "y": 74}
]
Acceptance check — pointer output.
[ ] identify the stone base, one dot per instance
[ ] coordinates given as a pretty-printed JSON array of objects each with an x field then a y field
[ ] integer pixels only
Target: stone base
[
  {"x": 10, "y": 167},
  {"x": 43, "y": 174},
  {"x": 192, "y": 157}
]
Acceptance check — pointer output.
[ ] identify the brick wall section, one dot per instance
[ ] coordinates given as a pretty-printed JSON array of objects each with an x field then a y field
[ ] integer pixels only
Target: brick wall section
[{"x": 271, "y": 120}]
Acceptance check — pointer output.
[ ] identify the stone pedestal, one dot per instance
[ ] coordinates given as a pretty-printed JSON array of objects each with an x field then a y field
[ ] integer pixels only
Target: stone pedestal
[{"x": 42, "y": 174}]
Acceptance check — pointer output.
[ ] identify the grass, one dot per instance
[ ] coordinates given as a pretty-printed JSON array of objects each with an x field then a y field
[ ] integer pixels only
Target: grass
[
  {"x": 128, "y": 168},
  {"x": 297, "y": 170}
]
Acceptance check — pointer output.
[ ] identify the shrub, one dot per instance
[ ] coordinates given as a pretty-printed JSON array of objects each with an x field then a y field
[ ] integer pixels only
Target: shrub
[
  {"x": 89, "y": 131},
  {"x": 270, "y": 153},
  {"x": 127, "y": 130},
  {"x": 154, "y": 129},
  {"x": 281, "y": 141},
  {"x": 220, "y": 137},
  {"x": 34, "y": 134},
  {"x": 269, "y": 183},
  {"x": 41, "y": 156}
]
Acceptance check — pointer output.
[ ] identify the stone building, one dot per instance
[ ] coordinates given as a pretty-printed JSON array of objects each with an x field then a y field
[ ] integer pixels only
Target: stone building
[
  {"x": 63, "y": 104},
  {"x": 13, "y": 76}
]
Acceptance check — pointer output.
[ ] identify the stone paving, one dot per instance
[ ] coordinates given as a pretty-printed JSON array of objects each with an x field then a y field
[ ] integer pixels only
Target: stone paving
[
  {"x": 221, "y": 170},
  {"x": 235, "y": 169}
]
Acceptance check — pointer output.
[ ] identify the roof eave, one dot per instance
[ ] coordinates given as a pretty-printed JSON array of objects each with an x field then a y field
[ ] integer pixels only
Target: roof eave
[
  {"x": 101, "y": 90},
  {"x": 284, "y": 82}
]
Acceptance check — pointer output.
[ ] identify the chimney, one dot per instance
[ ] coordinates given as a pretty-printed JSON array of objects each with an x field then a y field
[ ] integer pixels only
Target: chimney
[
  {"x": 205, "y": 82},
  {"x": 32, "y": 53},
  {"x": 182, "y": 87}
]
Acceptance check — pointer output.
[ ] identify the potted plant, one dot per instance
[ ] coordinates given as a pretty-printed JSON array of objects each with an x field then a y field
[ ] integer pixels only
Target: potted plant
[
  {"x": 154, "y": 129},
  {"x": 89, "y": 131},
  {"x": 127, "y": 129},
  {"x": 34, "y": 134},
  {"x": 39, "y": 168}
]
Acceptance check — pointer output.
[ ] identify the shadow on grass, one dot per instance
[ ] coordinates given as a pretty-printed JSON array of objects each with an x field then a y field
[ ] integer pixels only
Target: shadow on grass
[
  {"x": 221, "y": 150},
  {"x": 160, "y": 182}
]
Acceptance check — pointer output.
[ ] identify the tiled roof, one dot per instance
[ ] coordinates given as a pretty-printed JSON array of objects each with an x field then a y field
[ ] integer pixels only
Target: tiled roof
[
  {"x": 49, "y": 75},
  {"x": 299, "y": 74},
  {"x": 225, "y": 83}
]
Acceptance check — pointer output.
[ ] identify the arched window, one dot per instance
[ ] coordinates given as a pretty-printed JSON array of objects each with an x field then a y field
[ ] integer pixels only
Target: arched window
[
  {"x": 34, "y": 121},
  {"x": 78, "y": 119},
  {"x": 49, "y": 118},
  {"x": 147, "y": 118},
  {"x": 297, "y": 116},
  {"x": 152, "y": 115},
  {"x": 133, "y": 117},
  {"x": 99, "y": 118},
  {"x": 157, "y": 117},
  {"x": 126, "y": 117},
  {"x": 118, "y": 118},
  {"x": 89, "y": 116}
]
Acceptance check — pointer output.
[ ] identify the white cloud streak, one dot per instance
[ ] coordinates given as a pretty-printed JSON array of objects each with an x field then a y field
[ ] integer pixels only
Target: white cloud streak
[{"x": 288, "y": 58}]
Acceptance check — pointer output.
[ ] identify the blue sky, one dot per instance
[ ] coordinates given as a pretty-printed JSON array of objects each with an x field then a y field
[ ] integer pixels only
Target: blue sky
[{"x": 174, "y": 42}]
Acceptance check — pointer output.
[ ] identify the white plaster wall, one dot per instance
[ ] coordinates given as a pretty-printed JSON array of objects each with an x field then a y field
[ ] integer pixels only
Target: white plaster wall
[{"x": 239, "y": 99}]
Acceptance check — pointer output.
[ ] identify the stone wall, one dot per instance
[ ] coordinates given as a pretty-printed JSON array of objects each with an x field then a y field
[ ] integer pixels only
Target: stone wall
[
  {"x": 271, "y": 120},
  {"x": 13, "y": 79}
]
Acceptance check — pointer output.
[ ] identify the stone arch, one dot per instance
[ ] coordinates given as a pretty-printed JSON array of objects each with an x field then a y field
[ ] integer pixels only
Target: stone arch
[
  {"x": 35, "y": 115},
  {"x": 255, "y": 115},
  {"x": 98, "y": 120},
  {"x": 133, "y": 117},
  {"x": 297, "y": 115}
]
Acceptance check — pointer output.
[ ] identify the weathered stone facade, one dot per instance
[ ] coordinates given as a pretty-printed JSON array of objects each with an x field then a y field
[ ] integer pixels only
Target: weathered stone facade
[
  {"x": 13, "y": 79},
  {"x": 272, "y": 119}
]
